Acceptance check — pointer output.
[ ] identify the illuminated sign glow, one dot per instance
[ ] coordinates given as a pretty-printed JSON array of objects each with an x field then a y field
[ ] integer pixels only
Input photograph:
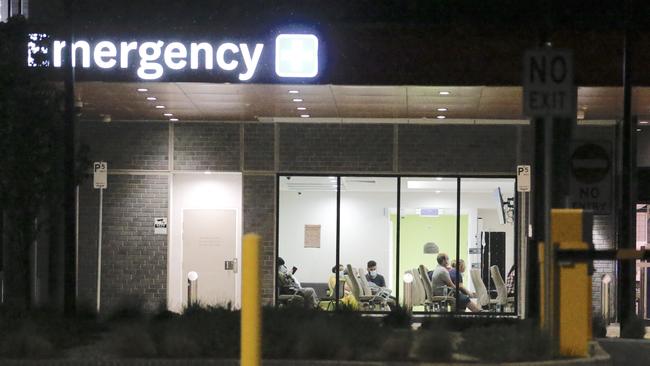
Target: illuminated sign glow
[{"x": 296, "y": 56}]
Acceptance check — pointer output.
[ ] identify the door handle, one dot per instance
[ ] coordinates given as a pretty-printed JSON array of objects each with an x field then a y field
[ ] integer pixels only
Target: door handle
[{"x": 235, "y": 266}]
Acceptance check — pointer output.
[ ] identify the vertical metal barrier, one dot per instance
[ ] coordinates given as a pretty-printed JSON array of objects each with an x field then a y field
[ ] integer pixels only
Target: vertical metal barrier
[
  {"x": 251, "y": 312},
  {"x": 408, "y": 292}
]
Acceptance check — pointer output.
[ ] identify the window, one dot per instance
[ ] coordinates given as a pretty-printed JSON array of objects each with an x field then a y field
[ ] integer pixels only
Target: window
[{"x": 400, "y": 225}]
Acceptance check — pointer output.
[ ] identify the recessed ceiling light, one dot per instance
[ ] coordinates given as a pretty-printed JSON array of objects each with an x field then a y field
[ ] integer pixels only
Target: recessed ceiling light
[
  {"x": 302, "y": 108},
  {"x": 142, "y": 90},
  {"x": 439, "y": 178},
  {"x": 297, "y": 100},
  {"x": 304, "y": 116},
  {"x": 151, "y": 98},
  {"x": 437, "y": 191},
  {"x": 643, "y": 122},
  {"x": 638, "y": 130},
  {"x": 160, "y": 107},
  {"x": 294, "y": 91},
  {"x": 441, "y": 117},
  {"x": 444, "y": 92},
  {"x": 168, "y": 114},
  {"x": 173, "y": 120},
  {"x": 442, "y": 109}
]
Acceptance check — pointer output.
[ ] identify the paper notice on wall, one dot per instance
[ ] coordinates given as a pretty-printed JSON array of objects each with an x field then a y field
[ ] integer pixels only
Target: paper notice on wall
[
  {"x": 312, "y": 236},
  {"x": 160, "y": 226}
]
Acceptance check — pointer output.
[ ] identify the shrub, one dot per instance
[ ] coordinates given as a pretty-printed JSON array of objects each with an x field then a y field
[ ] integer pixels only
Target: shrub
[
  {"x": 26, "y": 345},
  {"x": 132, "y": 342},
  {"x": 397, "y": 345},
  {"x": 507, "y": 343},
  {"x": 598, "y": 327},
  {"x": 433, "y": 345},
  {"x": 128, "y": 309},
  {"x": 176, "y": 345},
  {"x": 633, "y": 327},
  {"x": 398, "y": 317}
]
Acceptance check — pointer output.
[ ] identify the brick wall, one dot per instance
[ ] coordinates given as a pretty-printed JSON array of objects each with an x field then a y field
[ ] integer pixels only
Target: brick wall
[
  {"x": 134, "y": 260},
  {"x": 206, "y": 146},
  {"x": 259, "y": 217},
  {"x": 336, "y": 147},
  {"x": 259, "y": 146},
  {"x": 603, "y": 237},
  {"x": 127, "y": 145},
  {"x": 457, "y": 149},
  {"x": 88, "y": 225}
]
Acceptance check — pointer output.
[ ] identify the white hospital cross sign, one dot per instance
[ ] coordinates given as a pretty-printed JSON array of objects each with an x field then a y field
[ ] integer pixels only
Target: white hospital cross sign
[{"x": 296, "y": 55}]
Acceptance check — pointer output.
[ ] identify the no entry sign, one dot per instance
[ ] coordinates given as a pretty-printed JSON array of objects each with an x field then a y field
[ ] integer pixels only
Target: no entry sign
[
  {"x": 591, "y": 176},
  {"x": 549, "y": 90}
]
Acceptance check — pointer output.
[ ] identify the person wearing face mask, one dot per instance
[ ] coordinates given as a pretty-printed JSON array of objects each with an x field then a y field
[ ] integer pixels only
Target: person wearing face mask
[
  {"x": 344, "y": 288},
  {"x": 289, "y": 285},
  {"x": 373, "y": 276}
]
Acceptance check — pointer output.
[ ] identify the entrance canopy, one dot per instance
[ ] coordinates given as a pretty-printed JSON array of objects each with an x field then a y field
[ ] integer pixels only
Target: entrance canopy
[{"x": 188, "y": 101}]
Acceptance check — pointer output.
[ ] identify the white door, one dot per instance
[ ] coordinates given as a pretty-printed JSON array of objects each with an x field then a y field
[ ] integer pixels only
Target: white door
[{"x": 209, "y": 247}]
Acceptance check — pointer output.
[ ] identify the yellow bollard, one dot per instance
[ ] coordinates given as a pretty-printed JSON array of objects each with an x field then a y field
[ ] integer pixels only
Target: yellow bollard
[
  {"x": 569, "y": 228},
  {"x": 251, "y": 320}
]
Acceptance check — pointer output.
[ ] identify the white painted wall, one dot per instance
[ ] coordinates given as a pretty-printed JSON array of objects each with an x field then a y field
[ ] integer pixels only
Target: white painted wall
[
  {"x": 365, "y": 227},
  {"x": 199, "y": 191},
  {"x": 296, "y": 211}
]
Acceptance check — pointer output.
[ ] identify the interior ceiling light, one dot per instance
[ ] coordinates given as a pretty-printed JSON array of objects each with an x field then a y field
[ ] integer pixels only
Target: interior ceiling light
[
  {"x": 297, "y": 100},
  {"x": 442, "y": 109},
  {"x": 441, "y": 117},
  {"x": 638, "y": 130},
  {"x": 644, "y": 122},
  {"x": 294, "y": 91},
  {"x": 421, "y": 184},
  {"x": 142, "y": 90},
  {"x": 168, "y": 114},
  {"x": 151, "y": 98},
  {"x": 439, "y": 178},
  {"x": 444, "y": 92},
  {"x": 160, "y": 107},
  {"x": 301, "y": 108},
  {"x": 304, "y": 116},
  {"x": 438, "y": 191},
  {"x": 173, "y": 120}
]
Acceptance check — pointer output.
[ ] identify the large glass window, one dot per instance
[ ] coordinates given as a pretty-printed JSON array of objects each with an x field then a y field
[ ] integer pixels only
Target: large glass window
[
  {"x": 427, "y": 230},
  {"x": 367, "y": 231},
  {"x": 455, "y": 237},
  {"x": 307, "y": 213},
  {"x": 488, "y": 206}
]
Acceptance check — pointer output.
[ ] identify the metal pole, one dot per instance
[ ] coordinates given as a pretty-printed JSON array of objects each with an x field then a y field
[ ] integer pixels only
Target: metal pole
[
  {"x": 69, "y": 272},
  {"x": 626, "y": 270},
  {"x": 251, "y": 314},
  {"x": 549, "y": 307},
  {"x": 99, "y": 249}
]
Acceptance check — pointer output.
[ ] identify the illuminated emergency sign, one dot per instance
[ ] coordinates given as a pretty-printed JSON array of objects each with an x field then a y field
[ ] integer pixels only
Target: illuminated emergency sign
[{"x": 296, "y": 56}]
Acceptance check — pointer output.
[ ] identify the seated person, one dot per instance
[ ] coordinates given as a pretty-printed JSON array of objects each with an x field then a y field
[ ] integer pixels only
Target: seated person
[
  {"x": 342, "y": 284},
  {"x": 460, "y": 269},
  {"x": 440, "y": 279},
  {"x": 377, "y": 282},
  {"x": 290, "y": 286}
]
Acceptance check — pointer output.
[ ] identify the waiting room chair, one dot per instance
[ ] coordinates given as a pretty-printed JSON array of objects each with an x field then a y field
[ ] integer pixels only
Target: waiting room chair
[
  {"x": 503, "y": 301},
  {"x": 482, "y": 296},
  {"x": 355, "y": 287},
  {"x": 379, "y": 298},
  {"x": 435, "y": 302}
]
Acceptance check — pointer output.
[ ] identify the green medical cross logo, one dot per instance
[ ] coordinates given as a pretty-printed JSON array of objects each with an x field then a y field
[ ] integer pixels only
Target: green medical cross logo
[{"x": 296, "y": 55}]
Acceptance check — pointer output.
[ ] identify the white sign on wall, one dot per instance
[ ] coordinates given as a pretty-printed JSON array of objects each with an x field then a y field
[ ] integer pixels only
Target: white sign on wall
[
  {"x": 160, "y": 226},
  {"x": 549, "y": 89},
  {"x": 523, "y": 178},
  {"x": 100, "y": 174}
]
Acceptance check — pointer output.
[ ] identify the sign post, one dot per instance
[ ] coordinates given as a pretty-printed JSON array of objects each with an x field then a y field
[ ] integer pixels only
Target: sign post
[
  {"x": 549, "y": 93},
  {"x": 100, "y": 181}
]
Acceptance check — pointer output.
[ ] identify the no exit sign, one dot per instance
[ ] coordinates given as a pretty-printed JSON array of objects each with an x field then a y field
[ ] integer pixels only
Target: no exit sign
[{"x": 549, "y": 90}]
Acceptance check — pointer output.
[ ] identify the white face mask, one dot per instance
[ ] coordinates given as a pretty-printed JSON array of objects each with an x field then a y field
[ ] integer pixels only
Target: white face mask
[
  {"x": 373, "y": 274},
  {"x": 283, "y": 269}
]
